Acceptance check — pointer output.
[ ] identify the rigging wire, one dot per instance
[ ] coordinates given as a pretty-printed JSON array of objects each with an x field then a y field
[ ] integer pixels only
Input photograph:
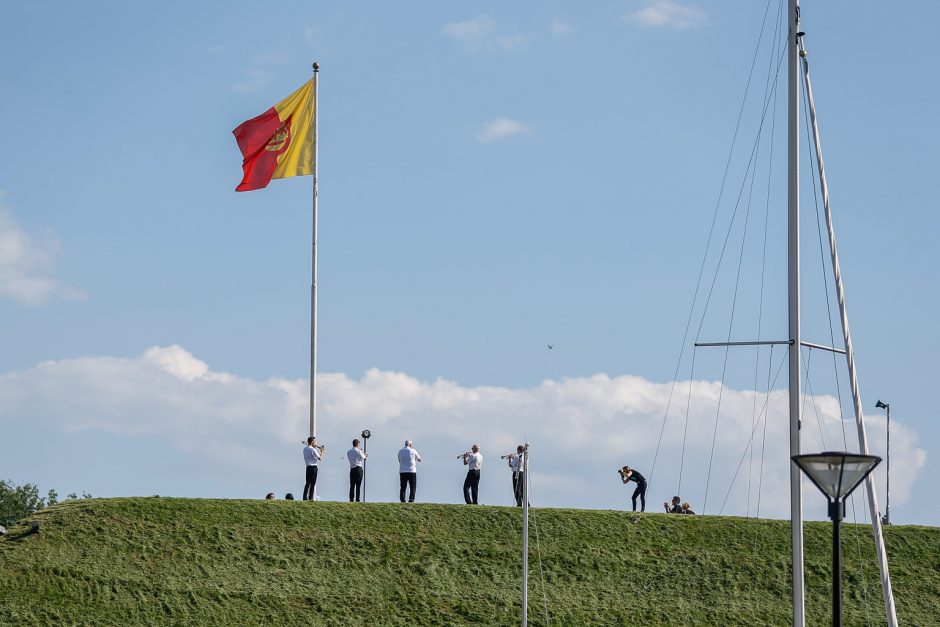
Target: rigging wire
[
  {"x": 748, "y": 172},
  {"x": 708, "y": 241},
  {"x": 811, "y": 395},
  {"x": 813, "y": 158},
  {"x": 763, "y": 416},
  {"x": 763, "y": 272},
  {"x": 538, "y": 550},
  {"x": 760, "y": 475},
  {"x": 685, "y": 431}
]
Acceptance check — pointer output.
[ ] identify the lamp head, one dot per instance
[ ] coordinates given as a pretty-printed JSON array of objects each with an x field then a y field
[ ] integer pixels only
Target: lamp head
[
  {"x": 366, "y": 434},
  {"x": 880, "y": 405},
  {"x": 836, "y": 474}
]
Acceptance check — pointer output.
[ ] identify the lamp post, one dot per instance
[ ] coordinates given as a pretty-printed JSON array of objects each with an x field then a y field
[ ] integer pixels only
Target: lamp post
[
  {"x": 366, "y": 434},
  {"x": 836, "y": 475},
  {"x": 886, "y": 519}
]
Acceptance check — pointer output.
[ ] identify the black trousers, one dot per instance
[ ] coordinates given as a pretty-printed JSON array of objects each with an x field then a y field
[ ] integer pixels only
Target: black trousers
[
  {"x": 311, "y": 483},
  {"x": 355, "y": 482},
  {"x": 471, "y": 487},
  {"x": 518, "y": 485},
  {"x": 408, "y": 479},
  {"x": 639, "y": 492}
]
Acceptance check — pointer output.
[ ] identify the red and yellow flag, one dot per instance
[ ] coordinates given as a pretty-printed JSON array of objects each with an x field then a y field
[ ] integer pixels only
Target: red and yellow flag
[{"x": 280, "y": 142}]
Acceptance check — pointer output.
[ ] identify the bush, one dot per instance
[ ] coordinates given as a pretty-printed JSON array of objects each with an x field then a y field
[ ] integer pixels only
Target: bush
[{"x": 18, "y": 502}]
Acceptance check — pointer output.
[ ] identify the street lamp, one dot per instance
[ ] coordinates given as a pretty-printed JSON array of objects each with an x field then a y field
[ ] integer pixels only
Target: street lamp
[
  {"x": 836, "y": 475},
  {"x": 886, "y": 519},
  {"x": 366, "y": 434}
]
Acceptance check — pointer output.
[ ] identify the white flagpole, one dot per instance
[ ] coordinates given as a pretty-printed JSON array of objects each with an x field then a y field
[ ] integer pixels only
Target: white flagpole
[{"x": 313, "y": 284}]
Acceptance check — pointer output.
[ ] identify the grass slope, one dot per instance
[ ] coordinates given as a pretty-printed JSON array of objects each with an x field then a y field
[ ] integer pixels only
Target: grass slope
[{"x": 185, "y": 561}]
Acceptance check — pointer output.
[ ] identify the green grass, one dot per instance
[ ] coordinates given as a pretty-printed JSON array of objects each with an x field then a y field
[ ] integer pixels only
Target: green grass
[{"x": 214, "y": 562}]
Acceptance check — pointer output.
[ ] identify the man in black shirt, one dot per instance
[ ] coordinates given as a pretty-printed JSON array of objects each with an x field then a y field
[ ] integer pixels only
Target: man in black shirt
[
  {"x": 628, "y": 475},
  {"x": 675, "y": 508}
]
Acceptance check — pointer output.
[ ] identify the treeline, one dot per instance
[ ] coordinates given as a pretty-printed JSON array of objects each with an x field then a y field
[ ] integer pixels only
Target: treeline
[{"x": 19, "y": 501}]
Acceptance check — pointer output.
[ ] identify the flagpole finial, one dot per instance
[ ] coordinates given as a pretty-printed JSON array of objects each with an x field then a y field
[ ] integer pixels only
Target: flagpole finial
[{"x": 316, "y": 66}]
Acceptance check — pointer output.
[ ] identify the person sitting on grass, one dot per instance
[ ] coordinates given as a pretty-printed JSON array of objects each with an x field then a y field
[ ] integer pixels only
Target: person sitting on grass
[
  {"x": 269, "y": 497},
  {"x": 675, "y": 508},
  {"x": 687, "y": 509}
]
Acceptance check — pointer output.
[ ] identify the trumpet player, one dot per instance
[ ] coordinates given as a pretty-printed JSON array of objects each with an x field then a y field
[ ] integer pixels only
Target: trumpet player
[
  {"x": 517, "y": 467},
  {"x": 408, "y": 471},
  {"x": 628, "y": 474},
  {"x": 312, "y": 456},
  {"x": 356, "y": 458},
  {"x": 471, "y": 485}
]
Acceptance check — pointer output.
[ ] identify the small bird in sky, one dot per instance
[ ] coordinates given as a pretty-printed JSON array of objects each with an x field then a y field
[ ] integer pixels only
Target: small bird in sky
[{"x": 551, "y": 346}]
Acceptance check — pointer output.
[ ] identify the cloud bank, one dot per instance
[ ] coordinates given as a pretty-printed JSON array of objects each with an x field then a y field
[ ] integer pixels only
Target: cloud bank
[
  {"x": 27, "y": 265},
  {"x": 669, "y": 14},
  {"x": 581, "y": 429},
  {"x": 481, "y": 34},
  {"x": 501, "y": 128}
]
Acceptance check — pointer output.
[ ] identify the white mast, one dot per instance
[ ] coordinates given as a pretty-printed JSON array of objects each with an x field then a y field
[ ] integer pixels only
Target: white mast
[
  {"x": 525, "y": 536},
  {"x": 890, "y": 612},
  {"x": 793, "y": 282},
  {"x": 313, "y": 283}
]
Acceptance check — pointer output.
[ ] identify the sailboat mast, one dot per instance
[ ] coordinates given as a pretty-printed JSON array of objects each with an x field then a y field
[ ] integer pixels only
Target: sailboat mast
[
  {"x": 890, "y": 611},
  {"x": 793, "y": 283}
]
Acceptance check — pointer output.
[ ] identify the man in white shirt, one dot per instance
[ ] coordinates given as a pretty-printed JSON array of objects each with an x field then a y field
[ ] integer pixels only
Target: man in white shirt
[
  {"x": 517, "y": 466},
  {"x": 408, "y": 471},
  {"x": 312, "y": 456},
  {"x": 471, "y": 485},
  {"x": 356, "y": 458}
]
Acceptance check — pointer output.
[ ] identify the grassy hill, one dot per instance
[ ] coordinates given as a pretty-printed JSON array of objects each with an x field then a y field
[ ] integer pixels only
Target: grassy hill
[{"x": 186, "y": 561}]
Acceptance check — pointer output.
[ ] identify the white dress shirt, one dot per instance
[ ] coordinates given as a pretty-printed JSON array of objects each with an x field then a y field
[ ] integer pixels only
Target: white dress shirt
[
  {"x": 311, "y": 455},
  {"x": 515, "y": 462},
  {"x": 407, "y": 460},
  {"x": 475, "y": 461},
  {"x": 355, "y": 457}
]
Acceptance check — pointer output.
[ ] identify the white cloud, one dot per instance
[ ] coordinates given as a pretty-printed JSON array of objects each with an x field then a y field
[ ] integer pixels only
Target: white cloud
[
  {"x": 27, "y": 264},
  {"x": 669, "y": 14},
  {"x": 259, "y": 74},
  {"x": 481, "y": 33},
  {"x": 501, "y": 128},
  {"x": 560, "y": 28},
  {"x": 580, "y": 429}
]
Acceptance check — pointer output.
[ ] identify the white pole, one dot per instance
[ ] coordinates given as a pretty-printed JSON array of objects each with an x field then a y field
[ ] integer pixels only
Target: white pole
[
  {"x": 525, "y": 536},
  {"x": 890, "y": 613},
  {"x": 793, "y": 211},
  {"x": 313, "y": 283}
]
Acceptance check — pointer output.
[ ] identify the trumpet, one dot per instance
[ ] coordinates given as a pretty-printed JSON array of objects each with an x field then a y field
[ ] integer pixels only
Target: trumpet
[
  {"x": 462, "y": 455},
  {"x": 322, "y": 449},
  {"x": 508, "y": 456}
]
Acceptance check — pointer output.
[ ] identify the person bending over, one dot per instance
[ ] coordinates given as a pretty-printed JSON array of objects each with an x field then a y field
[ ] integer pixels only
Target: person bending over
[
  {"x": 628, "y": 474},
  {"x": 471, "y": 485}
]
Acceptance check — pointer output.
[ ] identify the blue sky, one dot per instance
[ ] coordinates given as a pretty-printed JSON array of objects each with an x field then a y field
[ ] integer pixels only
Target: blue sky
[{"x": 494, "y": 178}]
